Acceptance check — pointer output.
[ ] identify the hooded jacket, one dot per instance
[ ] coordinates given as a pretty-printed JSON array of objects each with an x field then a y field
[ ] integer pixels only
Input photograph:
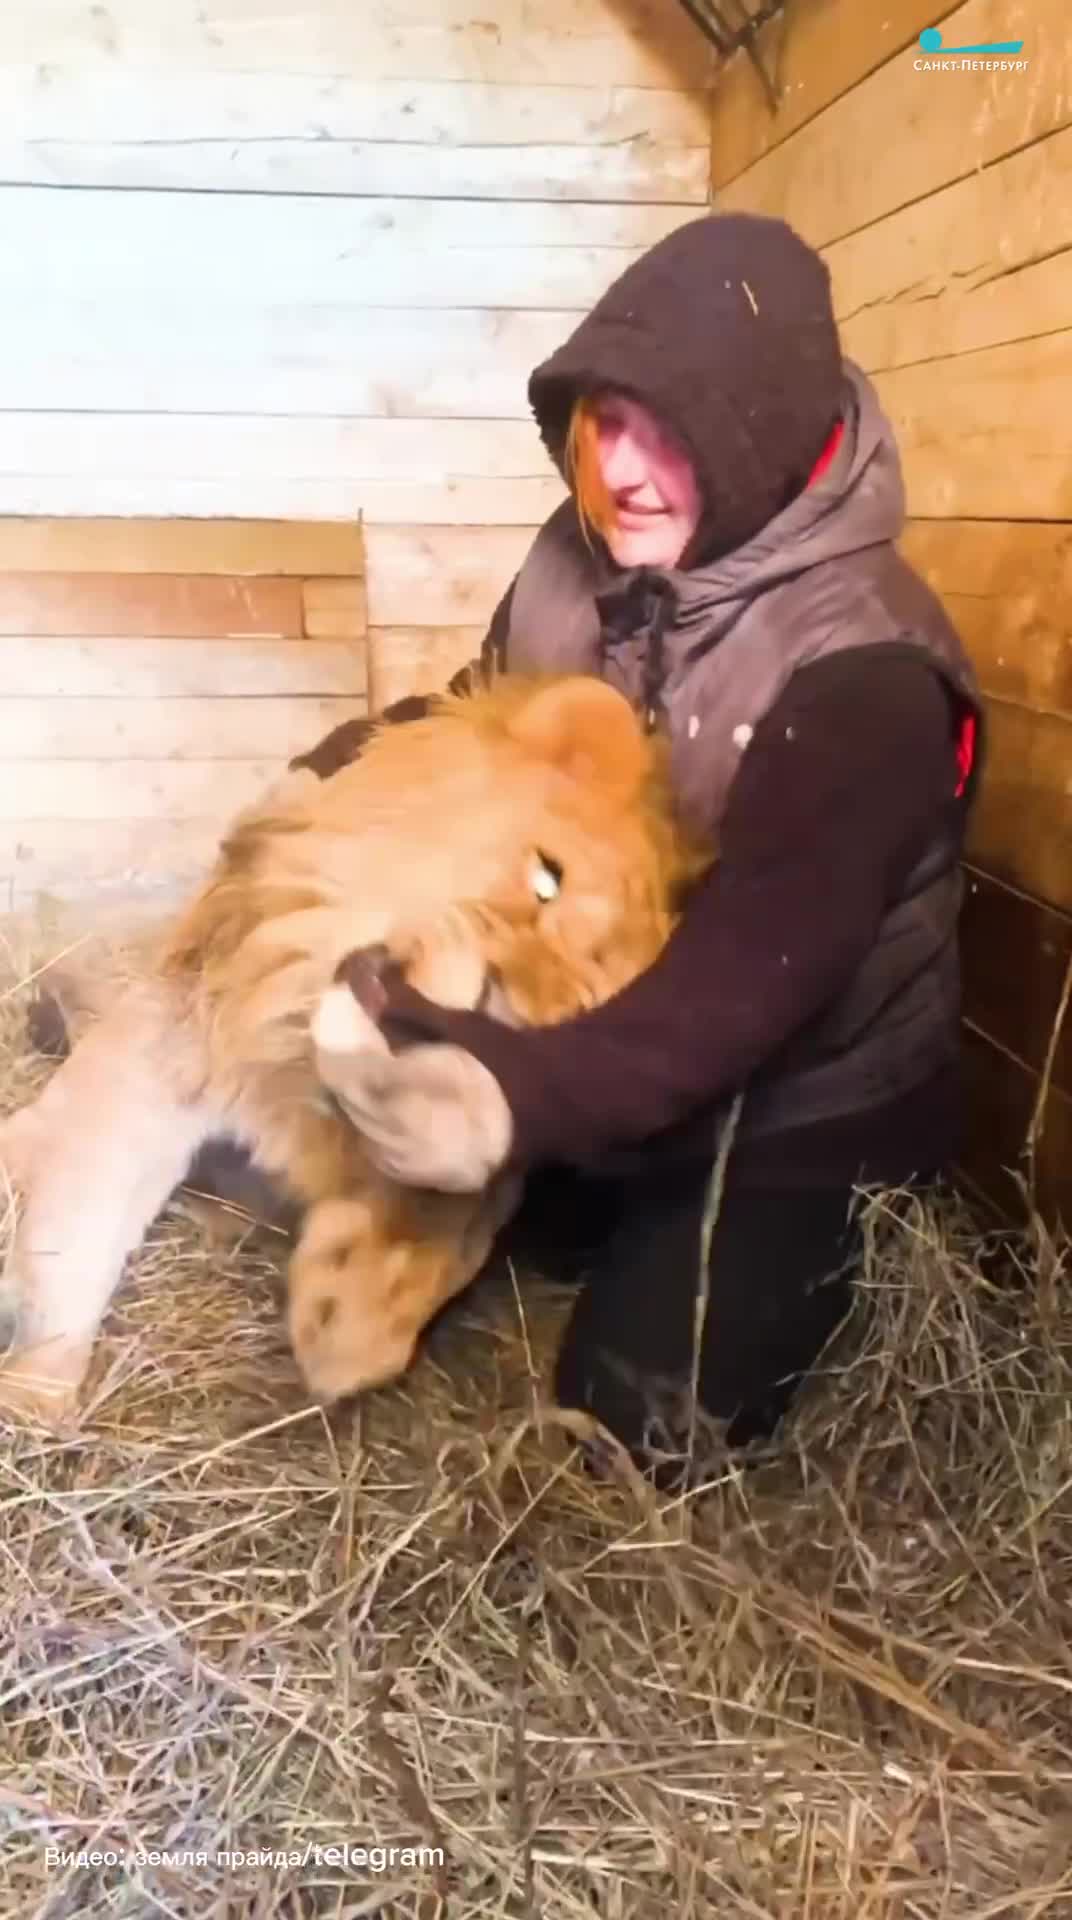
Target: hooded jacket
[{"x": 823, "y": 720}]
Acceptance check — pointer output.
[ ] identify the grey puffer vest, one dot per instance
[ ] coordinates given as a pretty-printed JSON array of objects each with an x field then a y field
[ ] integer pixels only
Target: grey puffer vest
[{"x": 706, "y": 653}]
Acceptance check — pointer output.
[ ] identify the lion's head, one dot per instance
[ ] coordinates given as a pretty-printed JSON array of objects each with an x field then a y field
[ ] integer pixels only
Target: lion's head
[{"x": 523, "y": 834}]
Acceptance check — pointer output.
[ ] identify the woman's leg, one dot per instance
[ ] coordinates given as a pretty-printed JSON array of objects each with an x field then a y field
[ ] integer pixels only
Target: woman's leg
[
  {"x": 781, "y": 1280},
  {"x": 564, "y": 1223}
]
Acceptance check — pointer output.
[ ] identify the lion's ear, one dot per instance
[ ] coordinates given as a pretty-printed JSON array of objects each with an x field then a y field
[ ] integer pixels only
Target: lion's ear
[{"x": 587, "y": 729}]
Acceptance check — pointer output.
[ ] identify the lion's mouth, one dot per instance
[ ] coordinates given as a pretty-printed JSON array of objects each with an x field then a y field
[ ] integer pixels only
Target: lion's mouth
[{"x": 364, "y": 971}]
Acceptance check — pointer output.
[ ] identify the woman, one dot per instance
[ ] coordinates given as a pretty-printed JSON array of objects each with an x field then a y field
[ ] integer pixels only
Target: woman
[{"x": 726, "y": 557}]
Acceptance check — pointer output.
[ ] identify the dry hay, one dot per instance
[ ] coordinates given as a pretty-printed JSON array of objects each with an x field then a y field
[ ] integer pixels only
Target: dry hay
[{"x": 833, "y": 1686}]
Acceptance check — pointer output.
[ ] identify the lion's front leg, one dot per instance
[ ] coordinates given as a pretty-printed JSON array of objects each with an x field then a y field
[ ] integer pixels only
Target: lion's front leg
[
  {"x": 96, "y": 1159},
  {"x": 369, "y": 1273}
]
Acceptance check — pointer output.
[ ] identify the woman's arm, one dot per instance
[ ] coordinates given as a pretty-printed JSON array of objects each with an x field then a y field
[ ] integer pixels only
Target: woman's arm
[{"x": 842, "y": 784}]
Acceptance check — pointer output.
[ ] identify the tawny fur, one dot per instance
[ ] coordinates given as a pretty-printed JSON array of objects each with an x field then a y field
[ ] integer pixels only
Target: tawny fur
[{"x": 432, "y": 844}]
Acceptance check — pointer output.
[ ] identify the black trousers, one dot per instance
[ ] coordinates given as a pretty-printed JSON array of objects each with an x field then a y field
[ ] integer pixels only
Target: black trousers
[{"x": 780, "y": 1280}]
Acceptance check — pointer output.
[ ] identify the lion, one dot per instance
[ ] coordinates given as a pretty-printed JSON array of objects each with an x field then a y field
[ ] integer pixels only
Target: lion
[{"x": 516, "y": 849}]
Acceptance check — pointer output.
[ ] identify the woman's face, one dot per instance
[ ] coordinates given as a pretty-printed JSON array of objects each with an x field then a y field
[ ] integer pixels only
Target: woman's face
[{"x": 651, "y": 483}]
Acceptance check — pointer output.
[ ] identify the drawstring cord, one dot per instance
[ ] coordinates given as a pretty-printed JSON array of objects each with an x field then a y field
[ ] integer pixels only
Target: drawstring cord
[
  {"x": 654, "y": 659},
  {"x": 643, "y": 608},
  {"x": 712, "y": 1209}
]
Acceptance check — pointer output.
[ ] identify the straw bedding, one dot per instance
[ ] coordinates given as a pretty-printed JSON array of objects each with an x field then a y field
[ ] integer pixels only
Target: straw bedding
[{"x": 833, "y": 1684}]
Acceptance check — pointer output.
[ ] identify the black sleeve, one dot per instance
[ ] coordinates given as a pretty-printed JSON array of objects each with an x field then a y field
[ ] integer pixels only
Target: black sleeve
[{"x": 345, "y": 742}]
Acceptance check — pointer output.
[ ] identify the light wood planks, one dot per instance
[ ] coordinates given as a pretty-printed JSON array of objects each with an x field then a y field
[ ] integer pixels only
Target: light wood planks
[
  {"x": 1010, "y": 941},
  {"x": 996, "y": 456},
  {"x": 1021, "y": 828},
  {"x": 294, "y": 132},
  {"x": 404, "y": 660},
  {"x": 452, "y": 502},
  {"x": 135, "y": 104},
  {"x": 334, "y": 609},
  {"x": 137, "y": 706},
  {"x": 352, "y": 233},
  {"x": 641, "y": 43},
  {"x": 259, "y": 547},
  {"x": 160, "y": 606},
  {"x": 134, "y": 789},
  {"x": 360, "y": 214},
  {"x": 441, "y": 576},
  {"x": 247, "y": 250},
  {"x": 103, "y": 863},
  {"x": 108, "y": 668},
  {"x": 168, "y": 727},
  {"x": 180, "y": 606},
  {"x": 981, "y": 263},
  {"x": 1008, "y": 589},
  {"x": 632, "y": 171},
  {"x": 977, "y": 432},
  {"x": 248, "y": 255},
  {"x": 193, "y": 353},
  {"x": 901, "y": 135},
  {"x": 1015, "y": 961},
  {"x": 942, "y": 204},
  {"x": 1001, "y": 1096},
  {"x": 818, "y": 52},
  {"x": 392, "y": 471},
  {"x": 357, "y": 450}
]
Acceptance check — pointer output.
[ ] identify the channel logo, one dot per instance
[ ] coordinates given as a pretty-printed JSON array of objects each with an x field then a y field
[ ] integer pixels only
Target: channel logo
[
  {"x": 931, "y": 42},
  {"x": 983, "y": 56}
]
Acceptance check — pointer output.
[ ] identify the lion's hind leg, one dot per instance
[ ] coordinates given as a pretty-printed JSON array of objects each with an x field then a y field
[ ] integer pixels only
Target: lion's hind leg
[{"x": 94, "y": 1159}]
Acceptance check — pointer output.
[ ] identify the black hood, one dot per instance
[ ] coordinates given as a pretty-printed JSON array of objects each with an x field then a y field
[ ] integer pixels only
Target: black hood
[{"x": 725, "y": 331}]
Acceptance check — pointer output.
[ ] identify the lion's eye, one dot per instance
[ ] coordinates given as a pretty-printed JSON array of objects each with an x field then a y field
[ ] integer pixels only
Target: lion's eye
[{"x": 546, "y": 877}]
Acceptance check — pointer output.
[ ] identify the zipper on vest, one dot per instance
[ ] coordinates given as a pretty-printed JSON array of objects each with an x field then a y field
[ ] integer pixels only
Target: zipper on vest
[
  {"x": 657, "y": 608},
  {"x": 636, "y": 614}
]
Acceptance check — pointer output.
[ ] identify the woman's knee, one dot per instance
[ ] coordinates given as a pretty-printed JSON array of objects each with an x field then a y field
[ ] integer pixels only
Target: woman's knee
[{"x": 780, "y": 1283}]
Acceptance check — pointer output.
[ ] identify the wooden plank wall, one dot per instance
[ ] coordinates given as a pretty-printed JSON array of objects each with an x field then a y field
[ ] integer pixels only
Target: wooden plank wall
[
  {"x": 943, "y": 205},
  {"x": 154, "y": 677},
  {"x": 298, "y": 260}
]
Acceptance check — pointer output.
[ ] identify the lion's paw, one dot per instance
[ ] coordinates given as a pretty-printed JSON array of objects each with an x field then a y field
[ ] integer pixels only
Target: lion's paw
[
  {"x": 43, "y": 1389},
  {"x": 343, "y": 1320},
  {"x": 342, "y": 1027}
]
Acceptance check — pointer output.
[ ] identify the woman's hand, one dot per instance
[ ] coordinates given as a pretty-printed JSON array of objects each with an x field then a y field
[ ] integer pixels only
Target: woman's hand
[{"x": 430, "y": 1116}]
